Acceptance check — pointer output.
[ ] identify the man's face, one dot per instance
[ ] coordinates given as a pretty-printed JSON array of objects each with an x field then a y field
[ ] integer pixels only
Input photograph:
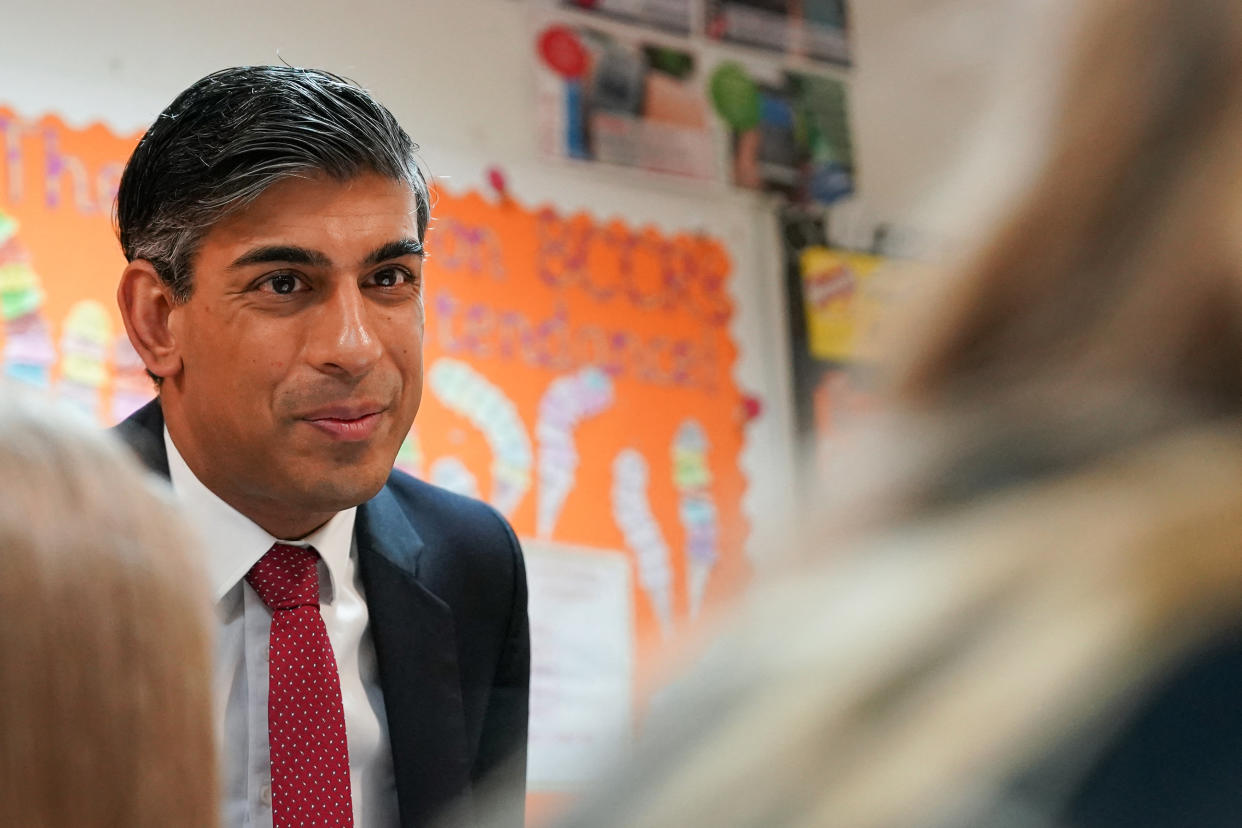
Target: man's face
[{"x": 301, "y": 349}]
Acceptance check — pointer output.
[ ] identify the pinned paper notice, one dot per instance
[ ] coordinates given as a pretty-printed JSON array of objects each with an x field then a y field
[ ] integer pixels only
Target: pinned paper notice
[{"x": 582, "y": 662}]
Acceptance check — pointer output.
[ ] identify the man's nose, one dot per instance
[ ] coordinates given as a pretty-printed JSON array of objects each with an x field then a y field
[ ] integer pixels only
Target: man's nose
[{"x": 345, "y": 342}]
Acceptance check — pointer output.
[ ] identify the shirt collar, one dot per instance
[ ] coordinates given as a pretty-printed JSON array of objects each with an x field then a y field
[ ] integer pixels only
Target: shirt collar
[{"x": 235, "y": 543}]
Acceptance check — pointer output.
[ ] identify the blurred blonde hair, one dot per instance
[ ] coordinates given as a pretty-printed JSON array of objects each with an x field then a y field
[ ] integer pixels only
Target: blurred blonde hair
[
  {"x": 105, "y": 716},
  {"x": 1122, "y": 265},
  {"x": 1065, "y": 515},
  {"x": 1105, "y": 309}
]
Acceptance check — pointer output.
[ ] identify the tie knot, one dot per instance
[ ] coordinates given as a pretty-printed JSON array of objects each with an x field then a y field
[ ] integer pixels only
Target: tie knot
[{"x": 286, "y": 577}]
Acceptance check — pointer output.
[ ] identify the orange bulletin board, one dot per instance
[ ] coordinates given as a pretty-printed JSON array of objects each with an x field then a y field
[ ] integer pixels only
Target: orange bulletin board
[{"x": 579, "y": 373}]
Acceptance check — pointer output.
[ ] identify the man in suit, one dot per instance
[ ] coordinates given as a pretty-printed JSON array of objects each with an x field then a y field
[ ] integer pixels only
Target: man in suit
[{"x": 273, "y": 220}]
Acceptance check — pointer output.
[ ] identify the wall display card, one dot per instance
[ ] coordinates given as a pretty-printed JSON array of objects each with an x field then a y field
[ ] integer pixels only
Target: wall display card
[
  {"x": 614, "y": 100},
  {"x": 669, "y": 15},
  {"x": 788, "y": 131},
  {"x": 838, "y": 299},
  {"x": 814, "y": 29},
  {"x": 582, "y": 662}
]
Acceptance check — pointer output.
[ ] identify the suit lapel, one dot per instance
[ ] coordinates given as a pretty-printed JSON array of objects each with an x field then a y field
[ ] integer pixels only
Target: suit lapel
[
  {"x": 415, "y": 647},
  {"x": 143, "y": 431}
]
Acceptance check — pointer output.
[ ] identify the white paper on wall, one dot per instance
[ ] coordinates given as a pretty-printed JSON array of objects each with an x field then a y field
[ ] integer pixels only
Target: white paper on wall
[{"x": 582, "y": 661}]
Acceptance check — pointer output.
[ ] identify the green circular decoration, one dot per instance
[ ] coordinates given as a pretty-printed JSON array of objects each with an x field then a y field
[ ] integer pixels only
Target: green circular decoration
[{"x": 735, "y": 96}]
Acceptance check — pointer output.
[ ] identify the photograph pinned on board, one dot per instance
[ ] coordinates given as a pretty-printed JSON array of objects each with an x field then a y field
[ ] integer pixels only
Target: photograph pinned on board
[
  {"x": 619, "y": 101},
  {"x": 789, "y": 132},
  {"x": 814, "y": 29},
  {"x": 672, "y": 16}
]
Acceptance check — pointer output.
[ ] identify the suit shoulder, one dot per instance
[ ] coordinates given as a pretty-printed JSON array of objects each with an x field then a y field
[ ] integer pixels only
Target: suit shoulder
[
  {"x": 143, "y": 432},
  {"x": 448, "y": 516}
]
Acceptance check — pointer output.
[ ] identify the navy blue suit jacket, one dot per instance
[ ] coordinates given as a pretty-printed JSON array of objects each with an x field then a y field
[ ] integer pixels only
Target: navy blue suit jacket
[{"x": 446, "y": 591}]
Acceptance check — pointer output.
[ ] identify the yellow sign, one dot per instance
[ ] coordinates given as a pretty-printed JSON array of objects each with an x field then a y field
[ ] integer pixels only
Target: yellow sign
[{"x": 836, "y": 295}]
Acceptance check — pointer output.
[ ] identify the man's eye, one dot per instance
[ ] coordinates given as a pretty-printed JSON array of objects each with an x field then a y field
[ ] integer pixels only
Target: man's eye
[
  {"x": 391, "y": 277},
  {"x": 281, "y": 283}
]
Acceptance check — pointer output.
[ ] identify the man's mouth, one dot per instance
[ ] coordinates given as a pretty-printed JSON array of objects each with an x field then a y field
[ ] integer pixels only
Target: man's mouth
[{"x": 346, "y": 422}]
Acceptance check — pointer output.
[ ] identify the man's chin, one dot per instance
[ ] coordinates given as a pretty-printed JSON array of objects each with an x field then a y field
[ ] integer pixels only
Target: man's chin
[{"x": 336, "y": 492}]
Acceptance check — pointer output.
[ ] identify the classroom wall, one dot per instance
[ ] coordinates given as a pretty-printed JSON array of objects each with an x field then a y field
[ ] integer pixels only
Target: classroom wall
[{"x": 458, "y": 75}]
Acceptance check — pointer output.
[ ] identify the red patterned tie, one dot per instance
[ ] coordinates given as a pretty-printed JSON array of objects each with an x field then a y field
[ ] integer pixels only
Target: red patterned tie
[{"x": 305, "y": 719}]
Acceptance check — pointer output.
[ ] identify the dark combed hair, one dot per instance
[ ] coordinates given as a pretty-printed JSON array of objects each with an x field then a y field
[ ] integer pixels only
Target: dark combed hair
[{"x": 233, "y": 134}]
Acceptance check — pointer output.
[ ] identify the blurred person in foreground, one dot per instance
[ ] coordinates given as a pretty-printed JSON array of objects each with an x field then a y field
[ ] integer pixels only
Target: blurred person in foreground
[
  {"x": 1039, "y": 618},
  {"x": 373, "y": 664},
  {"x": 105, "y": 664}
]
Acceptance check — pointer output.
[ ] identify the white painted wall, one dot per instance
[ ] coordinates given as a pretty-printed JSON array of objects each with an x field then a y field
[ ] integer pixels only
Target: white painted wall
[
  {"x": 457, "y": 73},
  {"x": 950, "y": 102}
]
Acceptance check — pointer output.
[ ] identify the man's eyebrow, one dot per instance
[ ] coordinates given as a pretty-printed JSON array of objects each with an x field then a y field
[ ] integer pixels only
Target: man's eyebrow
[
  {"x": 281, "y": 254},
  {"x": 395, "y": 250}
]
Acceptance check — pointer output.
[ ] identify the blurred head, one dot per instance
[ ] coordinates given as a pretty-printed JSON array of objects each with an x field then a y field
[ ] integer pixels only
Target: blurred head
[
  {"x": 1111, "y": 298},
  {"x": 273, "y": 219},
  {"x": 105, "y": 683}
]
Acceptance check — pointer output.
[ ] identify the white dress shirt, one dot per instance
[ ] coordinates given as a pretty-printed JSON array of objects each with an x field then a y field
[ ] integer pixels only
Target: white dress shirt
[{"x": 234, "y": 544}]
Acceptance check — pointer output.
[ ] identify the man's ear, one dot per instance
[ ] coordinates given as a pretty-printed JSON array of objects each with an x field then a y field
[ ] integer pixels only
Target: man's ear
[{"x": 146, "y": 304}]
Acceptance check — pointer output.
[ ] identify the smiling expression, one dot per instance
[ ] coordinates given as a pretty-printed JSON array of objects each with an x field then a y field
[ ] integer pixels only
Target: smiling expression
[{"x": 301, "y": 349}]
